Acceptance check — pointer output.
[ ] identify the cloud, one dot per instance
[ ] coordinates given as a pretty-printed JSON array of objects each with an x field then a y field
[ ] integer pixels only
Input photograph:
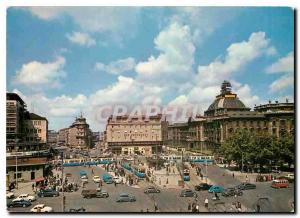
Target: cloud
[
  {"x": 207, "y": 81},
  {"x": 113, "y": 20},
  {"x": 174, "y": 63},
  {"x": 82, "y": 39},
  {"x": 238, "y": 55},
  {"x": 116, "y": 67},
  {"x": 282, "y": 83},
  {"x": 284, "y": 65},
  {"x": 60, "y": 111},
  {"x": 203, "y": 21},
  {"x": 37, "y": 73}
]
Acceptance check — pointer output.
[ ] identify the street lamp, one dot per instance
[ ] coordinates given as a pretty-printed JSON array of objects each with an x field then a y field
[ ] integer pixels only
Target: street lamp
[{"x": 62, "y": 176}]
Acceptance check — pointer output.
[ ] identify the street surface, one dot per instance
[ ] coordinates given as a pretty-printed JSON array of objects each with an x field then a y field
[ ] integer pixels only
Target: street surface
[{"x": 274, "y": 200}]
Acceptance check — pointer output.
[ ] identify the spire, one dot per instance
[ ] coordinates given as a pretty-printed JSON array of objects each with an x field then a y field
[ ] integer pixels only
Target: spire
[{"x": 226, "y": 87}]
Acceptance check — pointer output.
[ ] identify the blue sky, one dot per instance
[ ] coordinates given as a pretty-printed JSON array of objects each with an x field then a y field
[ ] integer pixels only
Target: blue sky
[{"x": 64, "y": 60}]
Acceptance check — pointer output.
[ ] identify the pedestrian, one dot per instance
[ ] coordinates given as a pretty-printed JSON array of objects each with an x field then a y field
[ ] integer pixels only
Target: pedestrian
[
  {"x": 115, "y": 183},
  {"x": 92, "y": 172},
  {"x": 147, "y": 210},
  {"x": 189, "y": 206},
  {"x": 206, "y": 202},
  {"x": 233, "y": 175},
  {"x": 32, "y": 186},
  {"x": 257, "y": 208},
  {"x": 197, "y": 208}
]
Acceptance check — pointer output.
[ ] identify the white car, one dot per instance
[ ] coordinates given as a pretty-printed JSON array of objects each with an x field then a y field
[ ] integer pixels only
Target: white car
[
  {"x": 84, "y": 179},
  {"x": 10, "y": 195},
  {"x": 25, "y": 197},
  {"x": 41, "y": 208},
  {"x": 290, "y": 176},
  {"x": 96, "y": 179},
  {"x": 117, "y": 179}
]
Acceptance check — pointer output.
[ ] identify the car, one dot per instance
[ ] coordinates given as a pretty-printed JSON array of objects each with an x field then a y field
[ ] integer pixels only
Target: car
[
  {"x": 290, "y": 176},
  {"x": 202, "y": 187},
  {"x": 188, "y": 193},
  {"x": 74, "y": 210},
  {"x": 96, "y": 179},
  {"x": 10, "y": 195},
  {"x": 232, "y": 192},
  {"x": 151, "y": 189},
  {"x": 246, "y": 186},
  {"x": 102, "y": 194},
  {"x": 124, "y": 197},
  {"x": 19, "y": 203},
  {"x": 48, "y": 193},
  {"x": 117, "y": 179},
  {"x": 216, "y": 189},
  {"x": 41, "y": 208},
  {"x": 25, "y": 197},
  {"x": 84, "y": 178}
]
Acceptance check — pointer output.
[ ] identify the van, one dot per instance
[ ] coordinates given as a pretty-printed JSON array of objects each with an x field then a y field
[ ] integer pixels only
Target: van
[{"x": 280, "y": 183}]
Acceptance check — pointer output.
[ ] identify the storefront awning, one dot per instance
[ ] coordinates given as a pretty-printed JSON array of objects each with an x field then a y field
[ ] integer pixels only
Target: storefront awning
[{"x": 39, "y": 179}]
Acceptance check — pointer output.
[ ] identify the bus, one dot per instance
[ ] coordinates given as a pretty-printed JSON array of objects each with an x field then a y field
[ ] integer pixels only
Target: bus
[
  {"x": 280, "y": 183},
  {"x": 186, "y": 175},
  {"x": 139, "y": 171},
  {"x": 202, "y": 159}
]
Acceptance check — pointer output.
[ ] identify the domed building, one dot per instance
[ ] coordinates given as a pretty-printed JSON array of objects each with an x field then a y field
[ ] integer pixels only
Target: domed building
[
  {"x": 227, "y": 115},
  {"x": 225, "y": 101}
]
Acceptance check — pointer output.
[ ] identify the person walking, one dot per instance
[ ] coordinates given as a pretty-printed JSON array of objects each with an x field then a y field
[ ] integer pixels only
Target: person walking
[
  {"x": 32, "y": 186},
  {"x": 189, "y": 206},
  {"x": 232, "y": 175},
  {"x": 206, "y": 202}
]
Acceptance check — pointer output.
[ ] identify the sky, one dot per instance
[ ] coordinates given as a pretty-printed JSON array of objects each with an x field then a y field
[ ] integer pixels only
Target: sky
[{"x": 66, "y": 60}]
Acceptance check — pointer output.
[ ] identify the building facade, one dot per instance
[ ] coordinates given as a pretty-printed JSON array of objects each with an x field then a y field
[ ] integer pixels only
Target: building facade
[
  {"x": 62, "y": 137},
  {"x": 79, "y": 134},
  {"x": 52, "y": 137},
  {"x": 136, "y": 135},
  {"x": 27, "y": 153},
  {"x": 227, "y": 115},
  {"x": 36, "y": 128}
]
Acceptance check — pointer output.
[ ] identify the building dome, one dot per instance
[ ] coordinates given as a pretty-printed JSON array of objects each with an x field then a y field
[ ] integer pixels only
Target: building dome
[{"x": 226, "y": 101}]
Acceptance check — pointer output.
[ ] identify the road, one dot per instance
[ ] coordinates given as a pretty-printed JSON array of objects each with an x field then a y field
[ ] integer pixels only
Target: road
[{"x": 168, "y": 200}]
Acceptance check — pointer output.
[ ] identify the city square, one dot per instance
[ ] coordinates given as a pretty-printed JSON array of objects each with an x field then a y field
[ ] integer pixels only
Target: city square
[{"x": 179, "y": 126}]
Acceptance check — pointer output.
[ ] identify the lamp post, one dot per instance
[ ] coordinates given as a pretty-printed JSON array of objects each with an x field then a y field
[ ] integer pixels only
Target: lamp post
[
  {"x": 62, "y": 176},
  {"x": 16, "y": 171}
]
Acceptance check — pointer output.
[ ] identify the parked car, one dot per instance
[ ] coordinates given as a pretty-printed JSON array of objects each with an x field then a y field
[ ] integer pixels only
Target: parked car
[
  {"x": 232, "y": 192},
  {"x": 102, "y": 194},
  {"x": 10, "y": 195},
  {"x": 77, "y": 210},
  {"x": 246, "y": 186},
  {"x": 41, "y": 208},
  {"x": 96, "y": 179},
  {"x": 202, "y": 187},
  {"x": 188, "y": 193},
  {"x": 19, "y": 203},
  {"x": 216, "y": 189},
  {"x": 25, "y": 197},
  {"x": 124, "y": 197},
  {"x": 48, "y": 193},
  {"x": 117, "y": 179},
  {"x": 151, "y": 189},
  {"x": 290, "y": 178}
]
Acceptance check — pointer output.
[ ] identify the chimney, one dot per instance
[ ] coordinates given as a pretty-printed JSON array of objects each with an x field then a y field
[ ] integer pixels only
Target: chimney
[
  {"x": 270, "y": 102},
  {"x": 276, "y": 102},
  {"x": 287, "y": 100}
]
